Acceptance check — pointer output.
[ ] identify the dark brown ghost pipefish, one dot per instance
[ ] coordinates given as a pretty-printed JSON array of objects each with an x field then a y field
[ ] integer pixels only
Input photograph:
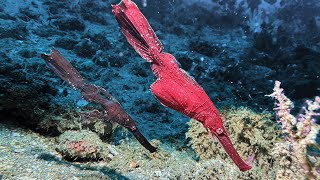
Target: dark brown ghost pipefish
[
  {"x": 113, "y": 110},
  {"x": 174, "y": 87}
]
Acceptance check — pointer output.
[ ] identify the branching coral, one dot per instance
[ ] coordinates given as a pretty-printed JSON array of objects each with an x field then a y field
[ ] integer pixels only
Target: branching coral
[
  {"x": 301, "y": 134},
  {"x": 283, "y": 109}
]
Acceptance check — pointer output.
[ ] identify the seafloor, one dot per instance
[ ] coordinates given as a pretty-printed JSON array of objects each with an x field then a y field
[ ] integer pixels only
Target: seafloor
[{"x": 235, "y": 54}]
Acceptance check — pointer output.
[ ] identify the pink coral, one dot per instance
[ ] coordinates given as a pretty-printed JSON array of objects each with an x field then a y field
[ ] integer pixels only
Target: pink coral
[
  {"x": 283, "y": 108},
  {"x": 306, "y": 128}
]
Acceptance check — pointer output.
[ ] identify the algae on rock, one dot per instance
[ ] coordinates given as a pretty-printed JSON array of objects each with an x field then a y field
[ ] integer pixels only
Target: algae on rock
[
  {"x": 78, "y": 119},
  {"x": 251, "y": 133},
  {"x": 82, "y": 145}
]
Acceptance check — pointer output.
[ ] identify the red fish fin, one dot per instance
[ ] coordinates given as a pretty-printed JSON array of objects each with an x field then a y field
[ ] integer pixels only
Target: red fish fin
[
  {"x": 156, "y": 89},
  {"x": 137, "y": 29}
]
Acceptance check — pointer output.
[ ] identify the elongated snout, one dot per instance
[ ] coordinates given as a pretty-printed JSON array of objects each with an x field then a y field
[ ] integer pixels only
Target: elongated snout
[{"x": 226, "y": 143}]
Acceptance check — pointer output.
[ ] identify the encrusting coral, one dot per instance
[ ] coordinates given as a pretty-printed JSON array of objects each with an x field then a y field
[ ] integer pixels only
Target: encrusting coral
[
  {"x": 79, "y": 119},
  {"x": 251, "y": 133},
  {"x": 82, "y": 145}
]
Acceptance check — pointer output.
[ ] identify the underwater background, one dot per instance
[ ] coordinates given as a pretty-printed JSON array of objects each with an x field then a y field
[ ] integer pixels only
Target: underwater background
[{"x": 238, "y": 51}]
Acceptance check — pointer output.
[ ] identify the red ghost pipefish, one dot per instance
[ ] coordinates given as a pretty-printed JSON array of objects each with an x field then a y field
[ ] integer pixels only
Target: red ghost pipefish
[
  {"x": 95, "y": 94},
  {"x": 174, "y": 87}
]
